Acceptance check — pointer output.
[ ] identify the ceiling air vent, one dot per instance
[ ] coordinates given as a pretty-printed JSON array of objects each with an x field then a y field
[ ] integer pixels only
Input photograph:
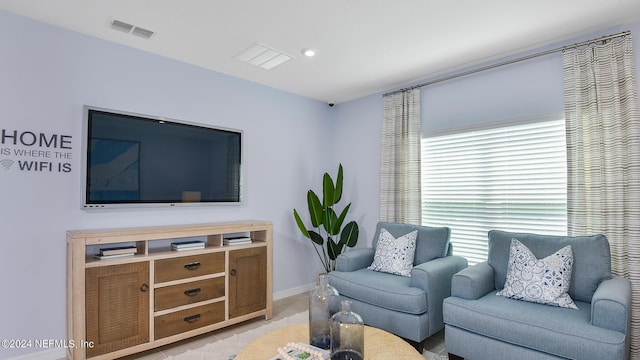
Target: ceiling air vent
[
  {"x": 140, "y": 32},
  {"x": 263, "y": 56},
  {"x": 121, "y": 26},
  {"x": 131, "y": 29}
]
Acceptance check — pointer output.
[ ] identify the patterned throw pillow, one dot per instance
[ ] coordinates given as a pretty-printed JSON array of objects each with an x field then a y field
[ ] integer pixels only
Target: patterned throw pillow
[
  {"x": 395, "y": 256},
  {"x": 544, "y": 281}
]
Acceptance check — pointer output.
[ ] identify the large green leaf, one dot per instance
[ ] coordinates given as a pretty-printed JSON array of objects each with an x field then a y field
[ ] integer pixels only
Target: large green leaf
[
  {"x": 349, "y": 235},
  {"x": 315, "y": 208},
  {"x": 330, "y": 219},
  {"x": 316, "y": 238},
  {"x": 328, "y": 191},
  {"x": 338, "y": 224},
  {"x": 337, "y": 195},
  {"x": 334, "y": 249},
  {"x": 301, "y": 226}
]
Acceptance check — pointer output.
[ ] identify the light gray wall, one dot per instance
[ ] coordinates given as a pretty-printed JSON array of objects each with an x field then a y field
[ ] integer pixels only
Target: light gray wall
[
  {"x": 356, "y": 136},
  {"x": 520, "y": 90},
  {"x": 47, "y": 74}
]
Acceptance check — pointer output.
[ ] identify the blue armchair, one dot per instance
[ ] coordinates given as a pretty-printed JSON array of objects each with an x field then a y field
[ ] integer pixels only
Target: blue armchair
[
  {"x": 410, "y": 307},
  {"x": 481, "y": 325}
]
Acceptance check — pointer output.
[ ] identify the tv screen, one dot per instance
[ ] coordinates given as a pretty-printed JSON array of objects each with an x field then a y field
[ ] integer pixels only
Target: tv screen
[{"x": 133, "y": 160}]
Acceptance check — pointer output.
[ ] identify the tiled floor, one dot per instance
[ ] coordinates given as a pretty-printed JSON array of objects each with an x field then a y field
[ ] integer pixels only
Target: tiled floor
[{"x": 281, "y": 309}]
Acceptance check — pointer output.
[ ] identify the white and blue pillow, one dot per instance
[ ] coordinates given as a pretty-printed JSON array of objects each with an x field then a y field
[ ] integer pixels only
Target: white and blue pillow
[
  {"x": 394, "y": 256},
  {"x": 544, "y": 281}
]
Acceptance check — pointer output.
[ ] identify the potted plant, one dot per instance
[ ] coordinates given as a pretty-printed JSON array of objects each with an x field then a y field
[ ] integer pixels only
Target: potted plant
[{"x": 327, "y": 223}]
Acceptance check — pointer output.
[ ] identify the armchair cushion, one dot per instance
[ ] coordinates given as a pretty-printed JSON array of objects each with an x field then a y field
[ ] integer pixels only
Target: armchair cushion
[
  {"x": 592, "y": 258},
  {"x": 432, "y": 242},
  {"x": 394, "y": 255},
  {"x": 384, "y": 290},
  {"x": 553, "y": 330},
  {"x": 545, "y": 281}
]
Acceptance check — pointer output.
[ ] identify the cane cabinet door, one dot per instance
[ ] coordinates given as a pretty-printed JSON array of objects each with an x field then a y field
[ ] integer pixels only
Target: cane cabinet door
[{"x": 117, "y": 306}]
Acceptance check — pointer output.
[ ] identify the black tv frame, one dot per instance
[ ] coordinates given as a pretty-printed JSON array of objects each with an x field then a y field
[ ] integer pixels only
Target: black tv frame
[{"x": 92, "y": 205}]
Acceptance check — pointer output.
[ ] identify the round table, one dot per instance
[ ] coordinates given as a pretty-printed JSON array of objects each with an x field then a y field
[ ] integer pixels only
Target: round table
[{"x": 378, "y": 344}]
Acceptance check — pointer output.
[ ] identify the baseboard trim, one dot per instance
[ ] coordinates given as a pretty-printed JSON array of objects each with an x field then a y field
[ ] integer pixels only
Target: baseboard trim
[{"x": 293, "y": 291}]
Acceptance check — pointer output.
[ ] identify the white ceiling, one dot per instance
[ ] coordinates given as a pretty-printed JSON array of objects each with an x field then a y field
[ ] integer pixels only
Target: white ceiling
[{"x": 364, "y": 46}]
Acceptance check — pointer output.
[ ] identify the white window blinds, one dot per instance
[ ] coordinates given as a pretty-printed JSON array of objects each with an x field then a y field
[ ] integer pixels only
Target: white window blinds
[{"x": 510, "y": 178}]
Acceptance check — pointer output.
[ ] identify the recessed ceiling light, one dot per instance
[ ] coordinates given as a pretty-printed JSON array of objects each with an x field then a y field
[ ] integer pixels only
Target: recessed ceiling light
[{"x": 308, "y": 52}]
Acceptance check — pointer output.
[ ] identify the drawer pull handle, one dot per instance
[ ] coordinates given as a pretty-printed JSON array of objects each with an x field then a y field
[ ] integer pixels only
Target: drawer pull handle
[
  {"x": 192, "y": 266},
  {"x": 233, "y": 272},
  {"x": 193, "y": 318},
  {"x": 192, "y": 292},
  {"x": 144, "y": 287}
]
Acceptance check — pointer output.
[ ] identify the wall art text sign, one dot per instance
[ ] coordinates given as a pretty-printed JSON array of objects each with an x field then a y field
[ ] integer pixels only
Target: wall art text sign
[{"x": 35, "y": 151}]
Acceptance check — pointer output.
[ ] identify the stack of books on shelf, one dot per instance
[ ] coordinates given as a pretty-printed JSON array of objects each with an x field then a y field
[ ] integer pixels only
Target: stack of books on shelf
[
  {"x": 116, "y": 252},
  {"x": 187, "y": 245},
  {"x": 240, "y": 240}
]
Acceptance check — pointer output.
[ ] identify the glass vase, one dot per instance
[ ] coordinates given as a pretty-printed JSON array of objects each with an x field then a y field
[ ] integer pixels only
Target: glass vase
[
  {"x": 347, "y": 334},
  {"x": 323, "y": 303}
]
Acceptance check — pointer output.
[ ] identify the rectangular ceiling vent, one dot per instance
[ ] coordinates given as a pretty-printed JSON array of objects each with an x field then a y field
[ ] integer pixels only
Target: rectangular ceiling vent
[
  {"x": 131, "y": 29},
  {"x": 140, "y": 32},
  {"x": 121, "y": 26},
  {"x": 263, "y": 56}
]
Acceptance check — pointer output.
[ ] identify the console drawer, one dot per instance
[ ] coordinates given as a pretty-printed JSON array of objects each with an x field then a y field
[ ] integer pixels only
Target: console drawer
[
  {"x": 185, "y": 320},
  {"x": 188, "y": 293},
  {"x": 188, "y": 266}
]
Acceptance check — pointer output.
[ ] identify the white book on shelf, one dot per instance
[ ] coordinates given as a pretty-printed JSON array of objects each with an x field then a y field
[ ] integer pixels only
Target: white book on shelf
[
  {"x": 187, "y": 244},
  {"x": 189, "y": 248},
  {"x": 183, "y": 248},
  {"x": 114, "y": 256},
  {"x": 236, "y": 240},
  {"x": 118, "y": 250}
]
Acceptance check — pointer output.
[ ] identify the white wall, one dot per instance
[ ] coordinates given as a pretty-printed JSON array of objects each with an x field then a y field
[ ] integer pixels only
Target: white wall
[{"x": 47, "y": 74}]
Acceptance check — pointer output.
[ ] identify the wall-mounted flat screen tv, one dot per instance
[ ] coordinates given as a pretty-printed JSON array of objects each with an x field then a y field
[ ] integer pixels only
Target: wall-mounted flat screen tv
[{"x": 138, "y": 160}]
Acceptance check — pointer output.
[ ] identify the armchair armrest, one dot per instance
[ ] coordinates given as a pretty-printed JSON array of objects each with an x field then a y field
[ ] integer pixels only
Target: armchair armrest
[
  {"x": 437, "y": 273},
  {"x": 473, "y": 282},
  {"x": 355, "y": 259},
  {"x": 434, "y": 277},
  {"x": 611, "y": 305}
]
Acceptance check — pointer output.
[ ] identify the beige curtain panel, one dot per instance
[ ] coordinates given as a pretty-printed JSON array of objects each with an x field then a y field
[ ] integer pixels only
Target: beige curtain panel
[
  {"x": 603, "y": 155},
  {"x": 400, "y": 159}
]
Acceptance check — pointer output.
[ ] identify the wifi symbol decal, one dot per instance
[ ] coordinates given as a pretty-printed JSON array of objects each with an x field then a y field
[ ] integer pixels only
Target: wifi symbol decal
[{"x": 6, "y": 163}]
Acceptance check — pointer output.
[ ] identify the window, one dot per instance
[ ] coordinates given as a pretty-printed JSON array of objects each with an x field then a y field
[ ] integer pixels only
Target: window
[{"x": 510, "y": 178}]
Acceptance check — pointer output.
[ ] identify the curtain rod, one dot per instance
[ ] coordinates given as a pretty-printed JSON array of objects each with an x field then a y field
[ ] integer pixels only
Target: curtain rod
[{"x": 489, "y": 67}]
